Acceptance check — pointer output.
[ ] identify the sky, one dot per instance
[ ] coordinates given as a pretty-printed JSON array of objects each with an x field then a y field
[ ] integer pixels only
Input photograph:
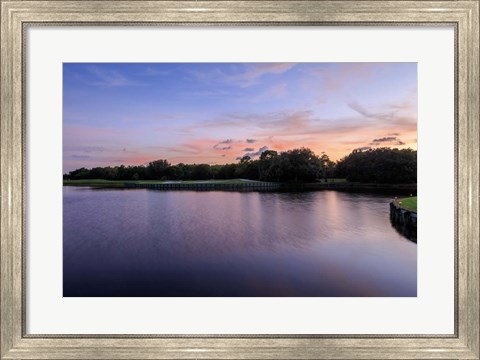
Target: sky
[{"x": 215, "y": 113}]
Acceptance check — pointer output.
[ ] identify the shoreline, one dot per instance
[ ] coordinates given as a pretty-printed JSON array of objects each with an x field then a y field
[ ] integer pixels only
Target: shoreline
[
  {"x": 240, "y": 184},
  {"x": 404, "y": 220}
]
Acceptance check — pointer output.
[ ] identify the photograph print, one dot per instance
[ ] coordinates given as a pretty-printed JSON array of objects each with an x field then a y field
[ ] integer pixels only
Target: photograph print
[{"x": 240, "y": 179}]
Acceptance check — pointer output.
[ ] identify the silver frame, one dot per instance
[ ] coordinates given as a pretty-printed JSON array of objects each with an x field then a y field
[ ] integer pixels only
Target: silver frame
[{"x": 17, "y": 15}]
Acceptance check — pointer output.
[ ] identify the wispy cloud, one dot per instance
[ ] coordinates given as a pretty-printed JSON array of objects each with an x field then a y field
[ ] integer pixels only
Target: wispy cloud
[
  {"x": 273, "y": 93},
  {"x": 254, "y": 155},
  {"x": 214, "y": 93},
  {"x": 255, "y": 71},
  {"x": 218, "y": 147},
  {"x": 93, "y": 149},
  {"x": 363, "y": 148},
  {"x": 249, "y": 74},
  {"x": 151, "y": 71},
  {"x": 221, "y": 145},
  {"x": 341, "y": 75},
  {"x": 387, "y": 140},
  {"x": 80, "y": 157},
  {"x": 388, "y": 115},
  {"x": 110, "y": 78}
]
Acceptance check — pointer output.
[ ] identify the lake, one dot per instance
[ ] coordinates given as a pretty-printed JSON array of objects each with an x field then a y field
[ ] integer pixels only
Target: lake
[{"x": 140, "y": 242}]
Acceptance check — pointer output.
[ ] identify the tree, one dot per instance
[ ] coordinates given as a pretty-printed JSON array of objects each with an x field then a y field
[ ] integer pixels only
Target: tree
[
  {"x": 265, "y": 165},
  {"x": 227, "y": 171},
  {"x": 382, "y": 165},
  {"x": 157, "y": 169},
  {"x": 201, "y": 172},
  {"x": 247, "y": 168},
  {"x": 299, "y": 165}
]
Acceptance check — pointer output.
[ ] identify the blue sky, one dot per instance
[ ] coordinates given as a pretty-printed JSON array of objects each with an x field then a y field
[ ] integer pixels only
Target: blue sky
[{"x": 217, "y": 112}]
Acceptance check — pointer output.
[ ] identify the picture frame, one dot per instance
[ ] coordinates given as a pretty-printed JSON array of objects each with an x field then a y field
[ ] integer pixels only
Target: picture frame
[{"x": 15, "y": 343}]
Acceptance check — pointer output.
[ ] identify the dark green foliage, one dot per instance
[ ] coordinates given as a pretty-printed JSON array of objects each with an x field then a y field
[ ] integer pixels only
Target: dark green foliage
[
  {"x": 247, "y": 169},
  {"x": 290, "y": 166},
  {"x": 201, "y": 172},
  {"x": 382, "y": 165},
  {"x": 227, "y": 171},
  {"x": 157, "y": 169}
]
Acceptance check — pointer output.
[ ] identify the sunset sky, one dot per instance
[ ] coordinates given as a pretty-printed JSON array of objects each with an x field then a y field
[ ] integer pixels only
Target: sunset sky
[{"x": 215, "y": 113}]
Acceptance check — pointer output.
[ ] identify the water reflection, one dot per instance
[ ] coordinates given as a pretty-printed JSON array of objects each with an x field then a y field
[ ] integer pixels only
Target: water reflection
[{"x": 186, "y": 243}]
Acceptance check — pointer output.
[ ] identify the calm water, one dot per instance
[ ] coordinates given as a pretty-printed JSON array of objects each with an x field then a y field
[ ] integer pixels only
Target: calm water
[{"x": 185, "y": 243}]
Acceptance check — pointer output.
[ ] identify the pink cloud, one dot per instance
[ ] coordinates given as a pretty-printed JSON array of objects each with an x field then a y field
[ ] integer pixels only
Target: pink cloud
[
  {"x": 333, "y": 79},
  {"x": 278, "y": 131}
]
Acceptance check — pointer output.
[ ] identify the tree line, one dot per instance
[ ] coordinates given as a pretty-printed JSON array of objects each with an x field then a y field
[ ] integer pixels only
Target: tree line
[{"x": 382, "y": 165}]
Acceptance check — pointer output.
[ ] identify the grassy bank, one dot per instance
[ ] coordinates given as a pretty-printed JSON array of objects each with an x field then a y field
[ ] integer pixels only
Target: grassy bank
[
  {"x": 95, "y": 183},
  {"x": 123, "y": 183},
  {"x": 409, "y": 203}
]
